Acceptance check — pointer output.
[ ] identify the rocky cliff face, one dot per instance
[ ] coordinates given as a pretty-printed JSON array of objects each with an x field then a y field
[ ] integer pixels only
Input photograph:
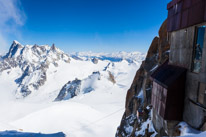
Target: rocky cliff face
[
  {"x": 76, "y": 87},
  {"x": 95, "y": 60},
  {"x": 69, "y": 90},
  {"x": 137, "y": 111}
]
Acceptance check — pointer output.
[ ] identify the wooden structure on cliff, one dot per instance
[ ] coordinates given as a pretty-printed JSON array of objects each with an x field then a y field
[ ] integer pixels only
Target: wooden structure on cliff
[
  {"x": 168, "y": 91},
  {"x": 185, "y": 71}
]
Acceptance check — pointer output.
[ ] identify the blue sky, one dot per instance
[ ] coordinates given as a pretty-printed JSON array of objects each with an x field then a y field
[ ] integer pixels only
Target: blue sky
[{"x": 87, "y": 25}]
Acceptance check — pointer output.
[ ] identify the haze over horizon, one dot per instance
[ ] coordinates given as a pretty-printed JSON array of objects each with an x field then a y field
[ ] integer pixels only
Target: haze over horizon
[{"x": 79, "y": 25}]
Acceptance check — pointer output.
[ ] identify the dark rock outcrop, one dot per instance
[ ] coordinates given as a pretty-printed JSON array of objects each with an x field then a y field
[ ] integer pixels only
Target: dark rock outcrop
[
  {"x": 13, "y": 49},
  {"x": 76, "y": 57},
  {"x": 95, "y": 60},
  {"x": 75, "y": 87},
  {"x": 70, "y": 90},
  {"x": 135, "y": 105}
]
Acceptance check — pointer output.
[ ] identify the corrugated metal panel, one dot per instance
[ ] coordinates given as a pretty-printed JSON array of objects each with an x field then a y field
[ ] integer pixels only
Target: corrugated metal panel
[
  {"x": 187, "y": 4},
  {"x": 171, "y": 12},
  {"x": 196, "y": 13},
  {"x": 164, "y": 97},
  {"x": 185, "y": 13},
  {"x": 174, "y": 16},
  {"x": 205, "y": 12},
  {"x": 169, "y": 5},
  {"x": 179, "y": 7},
  {"x": 158, "y": 106},
  {"x": 160, "y": 92},
  {"x": 155, "y": 89},
  {"x": 177, "y": 21},
  {"x": 185, "y": 18},
  {"x": 159, "y": 99},
  {"x": 195, "y": 1},
  {"x": 162, "y": 112},
  {"x": 172, "y": 3},
  {"x": 155, "y": 103},
  {"x": 152, "y": 100},
  {"x": 166, "y": 74}
]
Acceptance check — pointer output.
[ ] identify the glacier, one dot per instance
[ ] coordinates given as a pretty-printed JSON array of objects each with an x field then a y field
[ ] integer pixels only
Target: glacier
[{"x": 43, "y": 89}]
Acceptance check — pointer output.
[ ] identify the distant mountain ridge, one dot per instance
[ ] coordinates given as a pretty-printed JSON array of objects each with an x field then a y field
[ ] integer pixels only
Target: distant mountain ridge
[
  {"x": 115, "y": 57},
  {"x": 33, "y": 64}
]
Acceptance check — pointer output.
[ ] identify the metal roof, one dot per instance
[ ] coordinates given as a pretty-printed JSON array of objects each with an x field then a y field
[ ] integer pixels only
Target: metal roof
[
  {"x": 185, "y": 13},
  {"x": 167, "y": 74}
]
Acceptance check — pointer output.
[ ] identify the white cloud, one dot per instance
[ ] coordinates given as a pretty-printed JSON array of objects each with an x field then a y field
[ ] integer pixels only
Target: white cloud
[{"x": 11, "y": 17}]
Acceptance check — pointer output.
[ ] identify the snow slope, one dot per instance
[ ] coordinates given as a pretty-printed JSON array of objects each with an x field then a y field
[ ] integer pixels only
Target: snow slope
[
  {"x": 203, "y": 134},
  {"x": 90, "y": 114},
  {"x": 94, "y": 113},
  {"x": 187, "y": 131}
]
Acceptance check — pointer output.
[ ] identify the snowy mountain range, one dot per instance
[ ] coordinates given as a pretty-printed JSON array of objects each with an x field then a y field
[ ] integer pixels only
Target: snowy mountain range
[
  {"x": 36, "y": 81},
  {"x": 33, "y": 64},
  {"x": 114, "y": 57}
]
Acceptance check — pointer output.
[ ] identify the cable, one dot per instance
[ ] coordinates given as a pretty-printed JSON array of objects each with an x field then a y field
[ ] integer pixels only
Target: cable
[
  {"x": 107, "y": 116},
  {"x": 94, "y": 122}
]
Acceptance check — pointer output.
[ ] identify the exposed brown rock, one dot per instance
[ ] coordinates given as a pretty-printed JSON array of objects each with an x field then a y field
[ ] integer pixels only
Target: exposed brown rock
[
  {"x": 152, "y": 55},
  {"x": 164, "y": 45},
  {"x": 95, "y": 60},
  {"x": 153, "y": 48},
  {"x": 134, "y": 90},
  {"x": 111, "y": 77},
  {"x": 163, "y": 30},
  {"x": 177, "y": 131},
  {"x": 147, "y": 133},
  {"x": 156, "y": 55}
]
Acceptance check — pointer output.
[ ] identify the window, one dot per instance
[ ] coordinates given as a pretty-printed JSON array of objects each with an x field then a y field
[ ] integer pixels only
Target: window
[
  {"x": 198, "y": 47},
  {"x": 202, "y": 94}
]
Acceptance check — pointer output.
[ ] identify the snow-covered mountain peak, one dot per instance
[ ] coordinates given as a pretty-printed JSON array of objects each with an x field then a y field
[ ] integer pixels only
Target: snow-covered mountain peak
[
  {"x": 53, "y": 48},
  {"x": 32, "y": 67},
  {"x": 31, "y": 60},
  {"x": 16, "y": 42},
  {"x": 93, "y": 84},
  {"x": 14, "y": 49},
  {"x": 35, "y": 53}
]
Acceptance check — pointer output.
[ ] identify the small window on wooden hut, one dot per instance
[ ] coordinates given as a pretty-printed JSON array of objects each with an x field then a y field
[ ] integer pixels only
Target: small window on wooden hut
[
  {"x": 198, "y": 47},
  {"x": 168, "y": 91}
]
